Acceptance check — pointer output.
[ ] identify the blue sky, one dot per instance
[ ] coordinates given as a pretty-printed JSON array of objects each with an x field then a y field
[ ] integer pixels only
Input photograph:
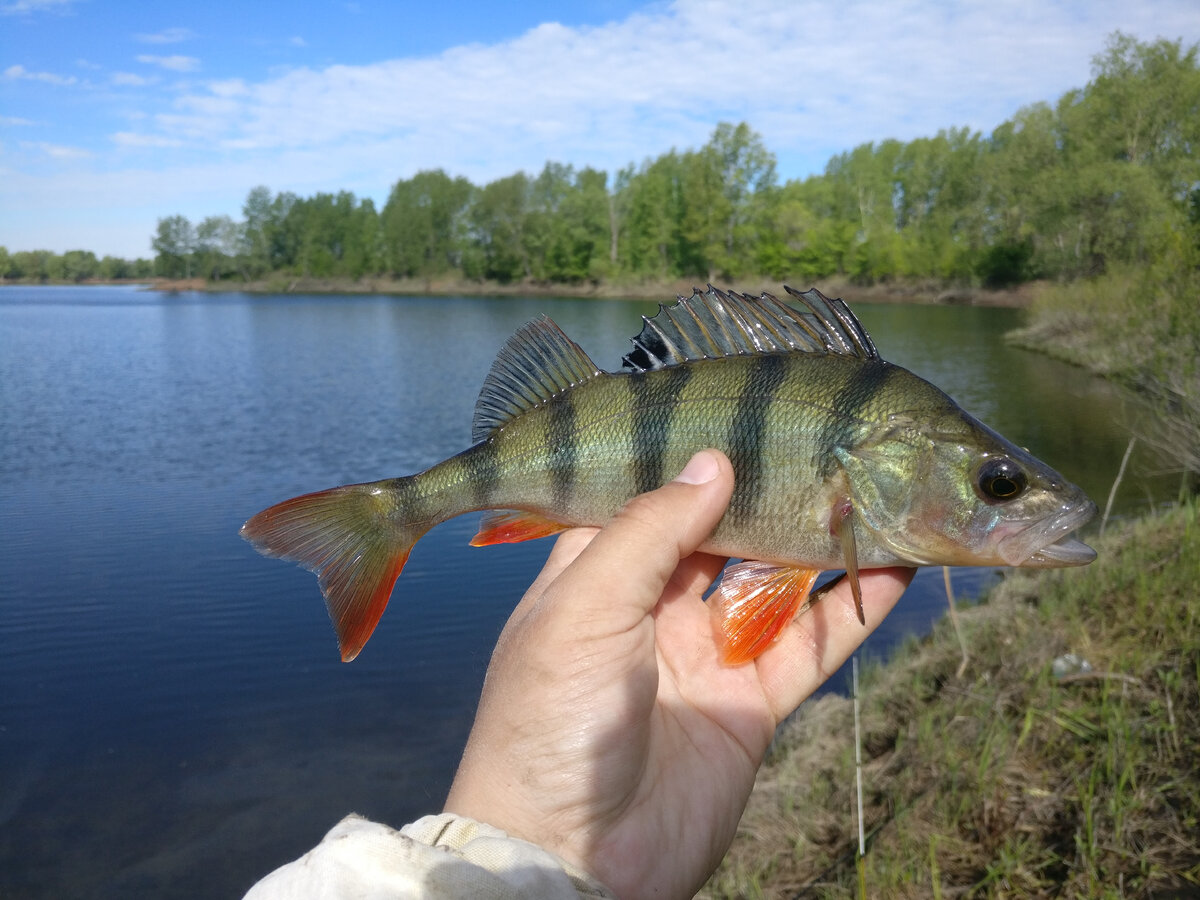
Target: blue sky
[{"x": 115, "y": 114}]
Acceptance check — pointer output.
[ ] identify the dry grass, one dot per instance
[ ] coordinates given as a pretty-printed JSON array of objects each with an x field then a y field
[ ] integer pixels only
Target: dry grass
[{"x": 1010, "y": 781}]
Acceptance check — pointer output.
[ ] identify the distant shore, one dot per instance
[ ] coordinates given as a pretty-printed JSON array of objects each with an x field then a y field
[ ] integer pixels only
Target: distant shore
[
  {"x": 916, "y": 292},
  {"x": 87, "y": 282}
]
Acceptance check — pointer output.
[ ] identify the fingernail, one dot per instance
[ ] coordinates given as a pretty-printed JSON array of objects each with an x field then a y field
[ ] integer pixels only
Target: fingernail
[{"x": 701, "y": 469}]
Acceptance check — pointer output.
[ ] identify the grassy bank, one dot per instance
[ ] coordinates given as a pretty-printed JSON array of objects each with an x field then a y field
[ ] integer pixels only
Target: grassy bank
[
  {"x": 1138, "y": 326},
  {"x": 1014, "y": 779}
]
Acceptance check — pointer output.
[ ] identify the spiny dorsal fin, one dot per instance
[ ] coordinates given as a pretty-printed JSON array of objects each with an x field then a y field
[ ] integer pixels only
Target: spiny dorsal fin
[
  {"x": 725, "y": 323},
  {"x": 538, "y": 363}
]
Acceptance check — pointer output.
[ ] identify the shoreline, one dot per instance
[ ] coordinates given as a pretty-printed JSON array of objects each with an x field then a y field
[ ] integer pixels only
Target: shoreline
[
  {"x": 660, "y": 290},
  {"x": 928, "y": 293}
]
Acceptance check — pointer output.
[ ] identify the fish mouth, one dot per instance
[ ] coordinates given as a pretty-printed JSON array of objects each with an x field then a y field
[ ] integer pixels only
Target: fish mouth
[{"x": 1046, "y": 543}]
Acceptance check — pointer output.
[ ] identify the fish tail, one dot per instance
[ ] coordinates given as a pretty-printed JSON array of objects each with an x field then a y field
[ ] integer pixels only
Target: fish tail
[{"x": 355, "y": 538}]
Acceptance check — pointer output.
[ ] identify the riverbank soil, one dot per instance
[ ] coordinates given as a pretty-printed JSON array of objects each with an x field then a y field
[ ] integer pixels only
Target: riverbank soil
[{"x": 1063, "y": 762}]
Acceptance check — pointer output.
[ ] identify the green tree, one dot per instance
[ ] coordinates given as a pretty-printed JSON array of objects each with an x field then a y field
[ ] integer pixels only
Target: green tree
[
  {"x": 497, "y": 222},
  {"x": 364, "y": 251},
  {"x": 580, "y": 248},
  {"x": 79, "y": 265},
  {"x": 174, "y": 243},
  {"x": 652, "y": 199},
  {"x": 218, "y": 246},
  {"x": 423, "y": 224},
  {"x": 1143, "y": 104},
  {"x": 113, "y": 268},
  {"x": 567, "y": 224},
  {"x": 801, "y": 239},
  {"x": 541, "y": 228},
  {"x": 745, "y": 171},
  {"x": 18, "y": 266},
  {"x": 1019, "y": 172},
  {"x": 863, "y": 192},
  {"x": 285, "y": 232},
  {"x": 258, "y": 231},
  {"x": 51, "y": 266},
  {"x": 939, "y": 205}
]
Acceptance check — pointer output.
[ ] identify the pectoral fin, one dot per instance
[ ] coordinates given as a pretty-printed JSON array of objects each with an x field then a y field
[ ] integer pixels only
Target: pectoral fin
[
  {"x": 844, "y": 528},
  {"x": 753, "y": 603},
  {"x": 508, "y": 526}
]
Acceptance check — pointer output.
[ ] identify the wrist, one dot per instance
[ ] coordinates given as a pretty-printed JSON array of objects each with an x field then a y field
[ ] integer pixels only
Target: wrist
[{"x": 530, "y": 867}]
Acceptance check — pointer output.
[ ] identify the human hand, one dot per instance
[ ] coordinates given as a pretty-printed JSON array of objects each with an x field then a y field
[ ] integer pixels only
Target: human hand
[{"x": 608, "y": 730}]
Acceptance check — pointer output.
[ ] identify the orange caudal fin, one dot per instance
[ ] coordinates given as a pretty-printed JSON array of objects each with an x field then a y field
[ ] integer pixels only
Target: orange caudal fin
[
  {"x": 350, "y": 538},
  {"x": 753, "y": 603},
  {"x": 510, "y": 526}
]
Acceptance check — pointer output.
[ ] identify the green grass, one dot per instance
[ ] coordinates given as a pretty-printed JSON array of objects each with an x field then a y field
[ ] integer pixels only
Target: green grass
[
  {"x": 1141, "y": 327},
  {"x": 1009, "y": 781}
]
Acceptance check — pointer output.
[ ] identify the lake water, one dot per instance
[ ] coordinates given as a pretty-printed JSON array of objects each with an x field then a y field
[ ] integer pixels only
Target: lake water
[{"x": 174, "y": 720}]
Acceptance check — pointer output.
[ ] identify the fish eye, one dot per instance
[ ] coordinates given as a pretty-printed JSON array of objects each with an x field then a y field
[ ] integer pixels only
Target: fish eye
[{"x": 1000, "y": 479}]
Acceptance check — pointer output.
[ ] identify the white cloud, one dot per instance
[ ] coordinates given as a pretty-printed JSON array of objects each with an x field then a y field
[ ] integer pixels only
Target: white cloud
[
  {"x": 166, "y": 36},
  {"x": 229, "y": 87},
  {"x": 57, "y": 151},
  {"x": 174, "y": 63},
  {"x": 28, "y": 7},
  {"x": 297, "y": 41},
  {"x": 814, "y": 78},
  {"x": 132, "y": 139},
  {"x": 15, "y": 121},
  {"x": 20, "y": 73},
  {"x": 129, "y": 79}
]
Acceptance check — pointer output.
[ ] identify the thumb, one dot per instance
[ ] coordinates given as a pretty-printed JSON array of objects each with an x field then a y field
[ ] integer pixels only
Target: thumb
[{"x": 630, "y": 561}]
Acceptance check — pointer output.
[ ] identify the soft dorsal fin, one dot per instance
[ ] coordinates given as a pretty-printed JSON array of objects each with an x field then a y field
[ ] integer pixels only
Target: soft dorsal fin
[
  {"x": 717, "y": 323},
  {"x": 538, "y": 363}
]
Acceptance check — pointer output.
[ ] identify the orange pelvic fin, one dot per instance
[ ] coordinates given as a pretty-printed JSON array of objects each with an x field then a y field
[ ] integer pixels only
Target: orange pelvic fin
[
  {"x": 510, "y": 526},
  {"x": 753, "y": 603},
  {"x": 351, "y": 539}
]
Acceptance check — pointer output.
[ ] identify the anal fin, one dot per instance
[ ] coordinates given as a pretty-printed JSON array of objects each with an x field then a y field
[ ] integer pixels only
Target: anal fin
[
  {"x": 754, "y": 603},
  {"x": 510, "y": 526}
]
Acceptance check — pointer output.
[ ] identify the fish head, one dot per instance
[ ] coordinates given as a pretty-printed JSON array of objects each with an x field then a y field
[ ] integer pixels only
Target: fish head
[{"x": 944, "y": 489}]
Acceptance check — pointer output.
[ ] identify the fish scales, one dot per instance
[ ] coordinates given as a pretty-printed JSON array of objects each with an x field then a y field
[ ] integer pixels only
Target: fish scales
[
  {"x": 579, "y": 457},
  {"x": 836, "y": 454}
]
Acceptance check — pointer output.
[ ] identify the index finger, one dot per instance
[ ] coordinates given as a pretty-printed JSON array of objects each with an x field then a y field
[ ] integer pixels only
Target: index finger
[{"x": 626, "y": 566}]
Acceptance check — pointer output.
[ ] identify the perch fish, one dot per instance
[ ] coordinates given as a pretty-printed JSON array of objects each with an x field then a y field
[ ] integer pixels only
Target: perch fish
[{"x": 841, "y": 461}]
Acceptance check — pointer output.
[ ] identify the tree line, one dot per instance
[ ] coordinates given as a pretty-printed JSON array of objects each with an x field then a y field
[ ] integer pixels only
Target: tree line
[{"x": 74, "y": 265}]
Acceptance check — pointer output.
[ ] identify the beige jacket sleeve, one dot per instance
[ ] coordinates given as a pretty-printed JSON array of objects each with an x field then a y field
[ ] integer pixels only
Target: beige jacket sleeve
[{"x": 442, "y": 856}]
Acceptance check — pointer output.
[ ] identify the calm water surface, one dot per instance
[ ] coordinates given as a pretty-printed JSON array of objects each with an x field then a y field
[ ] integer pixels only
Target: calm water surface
[{"x": 174, "y": 720}]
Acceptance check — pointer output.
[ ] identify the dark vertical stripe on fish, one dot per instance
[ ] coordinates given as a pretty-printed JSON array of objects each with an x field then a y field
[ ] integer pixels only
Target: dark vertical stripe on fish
[
  {"x": 746, "y": 433},
  {"x": 846, "y": 412},
  {"x": 655, "y": 399},
  {"x": 562, "y": 440}
]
